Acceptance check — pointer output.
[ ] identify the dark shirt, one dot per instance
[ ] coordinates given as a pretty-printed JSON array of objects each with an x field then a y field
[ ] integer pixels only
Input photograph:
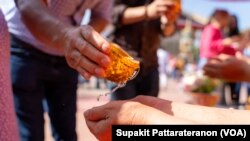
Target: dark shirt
[{"x": 141, "y": 39}]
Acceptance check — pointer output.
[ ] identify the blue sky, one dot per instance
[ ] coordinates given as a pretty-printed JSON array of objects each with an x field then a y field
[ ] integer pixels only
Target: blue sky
[{"x": 206, "y": 7}]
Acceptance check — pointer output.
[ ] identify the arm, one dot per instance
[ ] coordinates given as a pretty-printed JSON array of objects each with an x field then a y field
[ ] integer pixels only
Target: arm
[
  {"x": 101, "y": 15},
  {"x": 84, "y": 48},
  {"x": 196, "y": 113},
  {"x": 37, "y": 17},
  {"x": 221, "y": 67},
  {"x": 128, "y": 15}
]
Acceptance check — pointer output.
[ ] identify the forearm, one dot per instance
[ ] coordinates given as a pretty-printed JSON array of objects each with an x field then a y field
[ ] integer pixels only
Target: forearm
[
  {"x": 134, "y": 15},
  {"x": 162, "y": 118},
  {"x": 208, "y": 115},
  {"x": 41, "y": 23}
]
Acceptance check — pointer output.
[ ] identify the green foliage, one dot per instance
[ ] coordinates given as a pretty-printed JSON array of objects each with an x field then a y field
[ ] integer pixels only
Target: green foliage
[{"x": 207, "y": 85}]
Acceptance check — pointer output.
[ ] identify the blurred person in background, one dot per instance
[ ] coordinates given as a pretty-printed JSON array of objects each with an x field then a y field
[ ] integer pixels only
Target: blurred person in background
[
  {"x": 212, "y": 41},
  {"x": 138, "y": 26},
  {"x": 246, "y": 53},
  {"x": 8, "y": 122},
  {"x": 232, "y": 30},
  {"x": 43, "y": 33},
  {"x": 221, "y": 66}
]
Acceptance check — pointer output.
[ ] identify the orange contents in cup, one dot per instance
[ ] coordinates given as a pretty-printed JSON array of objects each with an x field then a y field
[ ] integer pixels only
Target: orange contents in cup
[{"x": 123, "y": 66}]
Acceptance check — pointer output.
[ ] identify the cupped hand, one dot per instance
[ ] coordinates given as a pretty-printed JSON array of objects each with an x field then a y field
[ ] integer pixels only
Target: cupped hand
[
  {"x": 86, "y": 51},
  {"x": 100, "y": 119}
]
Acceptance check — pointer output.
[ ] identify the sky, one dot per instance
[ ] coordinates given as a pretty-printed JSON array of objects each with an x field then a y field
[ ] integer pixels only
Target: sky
[{"x": 206, "y": 7}]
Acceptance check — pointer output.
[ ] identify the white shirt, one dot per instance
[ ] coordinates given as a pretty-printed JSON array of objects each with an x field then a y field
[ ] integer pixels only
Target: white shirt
[{"x": 68, "y": 11}]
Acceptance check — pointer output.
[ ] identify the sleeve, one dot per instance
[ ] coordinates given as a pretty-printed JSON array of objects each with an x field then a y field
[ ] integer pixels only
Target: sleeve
[
  {"x": 214, "y": 40},
  {"x": 103, "y": 9}
]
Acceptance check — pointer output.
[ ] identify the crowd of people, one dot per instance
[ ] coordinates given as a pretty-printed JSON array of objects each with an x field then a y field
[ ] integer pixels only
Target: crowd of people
[{"x": 44, "y": 46}]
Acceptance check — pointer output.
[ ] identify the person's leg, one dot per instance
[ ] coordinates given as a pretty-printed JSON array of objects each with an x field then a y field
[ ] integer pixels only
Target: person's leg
[
  {"x": 149, "y": 84},
  {"x": 248, "y": 90},
  {"x": 222, "y": 101},
  {"x": 28, "y": 94},
  {"x": 235, "y": 92},
  {"x": 61, "y": 99},
  {"x": 97, "y": 86}
]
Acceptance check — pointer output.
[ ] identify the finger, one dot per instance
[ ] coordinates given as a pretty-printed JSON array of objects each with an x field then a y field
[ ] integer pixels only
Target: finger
[
  {"x": 91, "y": 67},
  {"x": 96, "y": 113},
  {"x": 83, "y": 73},
  {"x": 92, "y": 53},
  {"x": 214, "y": 65},
  {"x": 210, "y": 71},
  {"x": 161, "y": 10},
  {"x": 84, "y": 65},
  {"x": 166, "y": 2},
  {"x": 95, "y": 39},
  {"x": 91, "y": 125},
  {"x": 73, "y": 59},
  {"x": 100, "y": 129}
]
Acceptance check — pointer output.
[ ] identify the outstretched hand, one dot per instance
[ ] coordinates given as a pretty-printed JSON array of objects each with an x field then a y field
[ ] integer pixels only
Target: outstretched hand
[
  {"x": 100, "y": 119},
  {"x": 229, "y": 68}
]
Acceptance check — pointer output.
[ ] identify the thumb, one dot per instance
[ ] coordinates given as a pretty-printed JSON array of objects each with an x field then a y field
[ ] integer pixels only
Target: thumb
[{"x": 95, "y": 114}]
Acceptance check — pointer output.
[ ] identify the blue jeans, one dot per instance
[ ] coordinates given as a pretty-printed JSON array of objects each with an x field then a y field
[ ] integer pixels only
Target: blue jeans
[
  {"x": 140, "y": 85},
  {"x": 37, "y": 76}
]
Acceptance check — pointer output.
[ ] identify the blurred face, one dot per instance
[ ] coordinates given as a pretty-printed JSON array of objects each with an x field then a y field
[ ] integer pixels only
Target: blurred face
[
  {"x": 232, "y": 21},
  {"x": 224, "y": 20}
]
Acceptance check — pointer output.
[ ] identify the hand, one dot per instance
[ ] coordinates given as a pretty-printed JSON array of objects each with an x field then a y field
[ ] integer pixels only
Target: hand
[
  {"x": 86, "y": 51},
  {"x": 158, "y": 7},
  {"x": 100, "y": 119},
  {"x": 229, "y": 68},
  {"x": 168, "y": 28},
  {"x": 160, "y": 104}
]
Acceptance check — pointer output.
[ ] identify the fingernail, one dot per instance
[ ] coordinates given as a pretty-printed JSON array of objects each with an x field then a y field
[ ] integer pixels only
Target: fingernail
[
  {"x": 100, "y": 72},
  {"x": 105, "y": 47},
  {"x": 105, "y": 62},
  {"x": 86, "y": 75}
]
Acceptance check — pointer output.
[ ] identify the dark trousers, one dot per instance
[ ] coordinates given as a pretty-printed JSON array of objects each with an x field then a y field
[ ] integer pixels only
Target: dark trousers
[
  {"x": 140, "y": 85},
  {"x": 234, "y": 93},
  {"x": 36, "y": 77}
]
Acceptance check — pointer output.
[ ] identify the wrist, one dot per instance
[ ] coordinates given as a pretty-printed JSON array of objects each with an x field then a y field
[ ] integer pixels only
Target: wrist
[{"x": 63, "y": 38}]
